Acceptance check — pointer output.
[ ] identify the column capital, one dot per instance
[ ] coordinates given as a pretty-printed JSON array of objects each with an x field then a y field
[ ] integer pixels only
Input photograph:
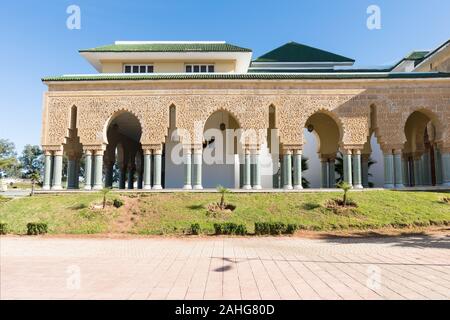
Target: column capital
[
  {"x": 88, "y": 152},
  {"x": 298, "y": 152},
  {"x": 397, "y": 151},
  {"x": 58, "y": 153},
  {"x": 157, "y": 151},
  {"x": 286, "y": 151},
  {"x": 98, "y": 152},
  {"x": 147, "y": 151},
  {"x": 48, "y": 153}
]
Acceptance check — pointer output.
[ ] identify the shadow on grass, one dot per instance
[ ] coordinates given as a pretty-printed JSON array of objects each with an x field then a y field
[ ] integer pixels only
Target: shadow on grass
[
  {"x": 310, "y": 206},
  {"x": 195, "y": 207}
]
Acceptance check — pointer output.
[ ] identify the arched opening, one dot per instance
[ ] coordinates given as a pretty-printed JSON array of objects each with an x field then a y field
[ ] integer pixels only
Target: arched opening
[
  {"x": 220, "y": 148},
  {"x": 421, "y": 154},
  {"x": 73, "y": 151},
  {"x": 123, "y": 158},
  {"x": 322, "y": 136}
]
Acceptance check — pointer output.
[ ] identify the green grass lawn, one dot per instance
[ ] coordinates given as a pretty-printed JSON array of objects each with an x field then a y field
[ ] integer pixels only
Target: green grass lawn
[{"x": 173, "y": 213}]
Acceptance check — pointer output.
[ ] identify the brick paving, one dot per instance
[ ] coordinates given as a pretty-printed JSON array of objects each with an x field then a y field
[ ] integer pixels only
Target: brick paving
[{"x": 416, "y": 267}]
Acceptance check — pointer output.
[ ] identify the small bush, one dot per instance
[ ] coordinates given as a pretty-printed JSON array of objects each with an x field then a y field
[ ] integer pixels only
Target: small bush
[
  {"x": 230, "y": 228},
  {"x": 3, "y": 228},
  {"x": 195, "y": 229},
  {"x": 37, "y": 228},
  {"x": 291, "y": 228},
  {"x": 117, "y": 203},
  {"x": 274, "y": 228}
]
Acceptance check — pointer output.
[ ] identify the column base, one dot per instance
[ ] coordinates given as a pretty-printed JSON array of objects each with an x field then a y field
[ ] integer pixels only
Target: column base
[
  {"x": 87, "y": 188},
  {"x": 247, "y": 187},
  {"x": 97, "y": 188},
  {"x": 56, "y": 188},
  {"x": 197, "y": 187},
  {"x": 187, "y": 187},
  {"x": 399, "y": 186},
  {"x": 147, "y": 187},
  {"x": 446, "y": 184},
  {"x": 157, "y": 187},
  {"x": 256, "y": 187},
  {"x": 358, "y": 186},
  {"x": 288, "y": 187},
  {"x": 389, "y": 186},
  {"x": 46, "y": 188},
  {"x": 298, "y": 187}
]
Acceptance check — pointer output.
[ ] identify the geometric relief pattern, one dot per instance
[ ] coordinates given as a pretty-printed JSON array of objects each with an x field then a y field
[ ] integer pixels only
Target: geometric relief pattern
[{"x": 350, "y": 109}]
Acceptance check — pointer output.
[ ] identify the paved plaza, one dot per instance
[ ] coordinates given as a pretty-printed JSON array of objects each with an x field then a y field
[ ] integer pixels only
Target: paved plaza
[{"x": 415, "y": 267}]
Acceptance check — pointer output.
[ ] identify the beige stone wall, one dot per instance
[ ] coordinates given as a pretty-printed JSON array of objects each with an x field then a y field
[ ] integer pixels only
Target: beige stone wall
[{"x": 347, "y": 102}]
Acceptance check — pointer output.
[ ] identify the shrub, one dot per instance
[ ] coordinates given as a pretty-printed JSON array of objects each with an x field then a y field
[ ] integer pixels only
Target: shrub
[
  {"x": 195, "y": 228},
  {"x": 117, "y": 203},
  {"x": 37, "y": 228},
  {"x": 274, "y": 228},
  {"x": 291, "y": 228},
  {"x": 3, "y": 228},
  {"x": 230, "y": 228}
]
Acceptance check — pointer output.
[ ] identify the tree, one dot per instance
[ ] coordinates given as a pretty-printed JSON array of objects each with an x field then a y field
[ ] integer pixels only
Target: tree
[
  {"x": 222, "y": 191},
  {"x": 8, "y": 161},
  {"x": 35, "y": 177},
  {"x": 31, "y": 160},
  {"x": 105, "y": 192},
  {"x": 345, "y": 186}
]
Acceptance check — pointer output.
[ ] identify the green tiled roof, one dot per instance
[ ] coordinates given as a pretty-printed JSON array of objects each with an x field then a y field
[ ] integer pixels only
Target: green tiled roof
[
  {"x": 296, "y": 52},
  {"x": 416, "y": 55},
  {"x": 249, "y": 76},
  {"x": 169, "y": 47}
]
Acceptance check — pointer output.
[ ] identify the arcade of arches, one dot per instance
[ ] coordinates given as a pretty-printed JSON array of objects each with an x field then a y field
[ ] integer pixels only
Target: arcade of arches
[{"x": 125, "y": 137}]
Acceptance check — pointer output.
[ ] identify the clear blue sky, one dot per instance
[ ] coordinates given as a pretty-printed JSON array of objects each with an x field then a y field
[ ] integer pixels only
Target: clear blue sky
[{"x": 35, "y": 41}]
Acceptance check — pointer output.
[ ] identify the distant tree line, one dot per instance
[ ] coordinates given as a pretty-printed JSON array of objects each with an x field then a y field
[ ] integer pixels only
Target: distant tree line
[{"x": 28, "y": 165}]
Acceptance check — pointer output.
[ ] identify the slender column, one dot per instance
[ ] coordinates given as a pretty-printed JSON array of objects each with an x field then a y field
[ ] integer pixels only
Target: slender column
[
  {"x": 445, "y": 169},
  {"x": 47, "y": 170},
  {"x": 131, "y": 171},
  {"x": 247, "y": 170},
  {"x": 109, "y": 174},
  {"x": 157, "y": 169},
  {"x": 417, "y": 171},
  {"x": 347, "y": 160},
  {"x": 77, "y": 172},
  {"x": 389, "y": 182},
  {"x": 365, "y": 170},
  {"x": 98, "y": 170},
  {"x": 88, "y": 170},
  {"x": 57, "y": 170},
  {"x": 71, "y": 168},
  {"x": 426, "y": 168},
  {"x": 405, "y": 170},
  {"x": 187, "y": 160},
  {"x": 197, "y": 158},
  {"x": 332, "y": 173},
  {"x": 356, "y": 161},
  {"x": 398, "y": 169},
  {"x": 298, "y": 169},
  {"x": 122, "y": 175},
  {"x": 256, "y": 178},
  {"x": 287, "y": 165},
  {"x": 241, "y": 169},
  {"x": 147, "y": 169},
  {"x": 438, "y": 164},
  {"x": 324, "y": 172}
]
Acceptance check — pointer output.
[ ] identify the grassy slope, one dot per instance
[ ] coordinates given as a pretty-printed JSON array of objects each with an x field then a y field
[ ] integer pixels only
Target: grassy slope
[{"x": 172, "y": 213}]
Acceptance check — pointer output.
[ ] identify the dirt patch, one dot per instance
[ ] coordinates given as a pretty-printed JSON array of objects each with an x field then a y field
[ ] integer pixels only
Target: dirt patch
[
  {"x": 214, "y": 210},
  {"x": 125, "y": 217},
  {"x": 338, "y": 207}
]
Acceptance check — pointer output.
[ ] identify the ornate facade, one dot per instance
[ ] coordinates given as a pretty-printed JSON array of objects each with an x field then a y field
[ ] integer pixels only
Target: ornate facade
[{"x": 408, "y": 112}]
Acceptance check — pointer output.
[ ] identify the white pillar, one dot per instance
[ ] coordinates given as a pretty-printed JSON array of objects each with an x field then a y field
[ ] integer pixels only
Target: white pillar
[
  {"x": 57, "y": 171},
  {"x": 197, "y": 158},
  {"x": 147, "y": 169},
  {"x": 98, "y": 170},
  {"x": 47, "y": 170}
]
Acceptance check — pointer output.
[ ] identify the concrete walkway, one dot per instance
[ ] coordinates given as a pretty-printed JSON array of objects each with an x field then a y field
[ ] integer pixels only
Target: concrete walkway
[{"x": 225, "y": 268}]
